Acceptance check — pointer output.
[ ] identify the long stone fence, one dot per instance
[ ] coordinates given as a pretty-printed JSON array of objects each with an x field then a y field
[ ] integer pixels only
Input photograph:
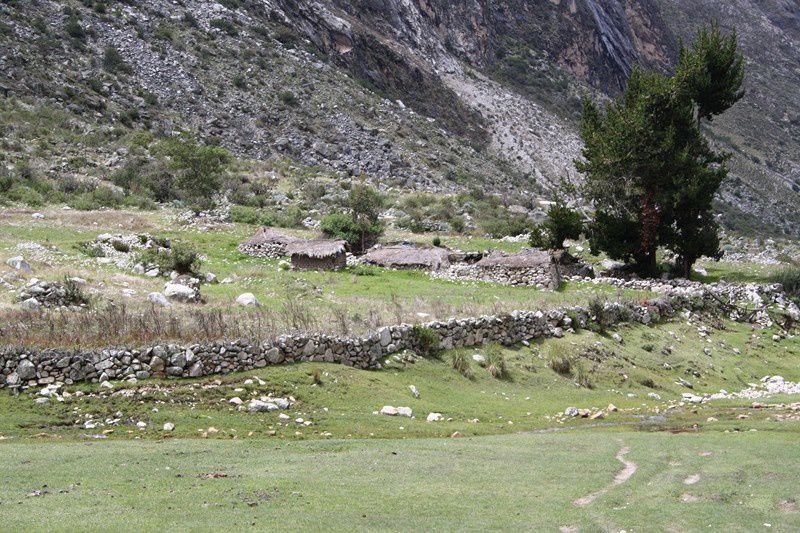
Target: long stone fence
[{"x": 24, "y": 366}]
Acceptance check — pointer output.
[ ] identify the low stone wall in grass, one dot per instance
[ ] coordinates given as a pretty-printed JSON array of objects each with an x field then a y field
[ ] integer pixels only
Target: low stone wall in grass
[{"x": 22, "y": 367}]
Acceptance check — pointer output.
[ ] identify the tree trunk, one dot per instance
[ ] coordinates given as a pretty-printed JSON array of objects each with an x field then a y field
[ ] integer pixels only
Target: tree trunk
[{"x": 687, "y": 263}]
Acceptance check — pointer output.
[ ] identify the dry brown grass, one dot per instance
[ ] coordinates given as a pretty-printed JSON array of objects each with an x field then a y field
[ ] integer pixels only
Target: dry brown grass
[
  {"x": 129, "y": 221},
  {"x": 119, "y": 325}
]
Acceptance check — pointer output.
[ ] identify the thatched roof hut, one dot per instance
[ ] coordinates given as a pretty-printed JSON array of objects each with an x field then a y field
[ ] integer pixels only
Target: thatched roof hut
[
  {"x": 318, "y": 254},
  {"x": 403, "y": 256},
  {"x": 267, "y": 243},
  {"x": 270, "y": 236}
]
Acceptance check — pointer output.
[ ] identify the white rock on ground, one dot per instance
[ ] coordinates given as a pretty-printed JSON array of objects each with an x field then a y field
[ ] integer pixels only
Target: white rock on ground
[
  {"x": 180, "y": 293},
  {"x": 435, "y": 417},
  {"x": 19, "y": 263},
  {"x": 31, "y": 304},
  {"x": 258, "y": 406},
  {"x": 395, "y": 411},
  {"x": 478, "y": 358},
  {"x": 169, "y": 426},
  {"x": 158, "y": 299},
  {"x": 247, "y": 299}
]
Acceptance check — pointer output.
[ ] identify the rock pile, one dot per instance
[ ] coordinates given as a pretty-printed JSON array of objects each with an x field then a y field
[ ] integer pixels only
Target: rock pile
[{"x": 37, "y": 294}]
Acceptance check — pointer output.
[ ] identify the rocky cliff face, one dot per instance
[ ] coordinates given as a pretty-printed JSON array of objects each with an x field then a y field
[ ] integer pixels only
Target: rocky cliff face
[{"x": 429, "y": 94}]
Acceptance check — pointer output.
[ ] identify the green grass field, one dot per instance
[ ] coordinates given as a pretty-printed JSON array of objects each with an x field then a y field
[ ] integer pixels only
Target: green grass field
[{"x": 739, "y": 482}]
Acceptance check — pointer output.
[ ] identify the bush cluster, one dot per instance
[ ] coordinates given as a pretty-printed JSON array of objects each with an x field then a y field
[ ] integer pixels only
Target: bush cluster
[{"x": 180, "y": 257}]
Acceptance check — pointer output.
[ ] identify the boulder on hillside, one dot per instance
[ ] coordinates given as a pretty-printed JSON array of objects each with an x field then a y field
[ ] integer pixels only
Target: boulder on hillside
[
  {"x": 248, "y": 299},
  {"x": 181, "y": 293}
]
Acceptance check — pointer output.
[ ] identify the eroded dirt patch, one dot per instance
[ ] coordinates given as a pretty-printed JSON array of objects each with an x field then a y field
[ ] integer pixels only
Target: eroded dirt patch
[{"x": 621, "y": 477}]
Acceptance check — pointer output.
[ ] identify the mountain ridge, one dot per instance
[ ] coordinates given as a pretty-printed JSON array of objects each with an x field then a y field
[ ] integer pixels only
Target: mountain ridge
[{"x": 420, "y": 95}]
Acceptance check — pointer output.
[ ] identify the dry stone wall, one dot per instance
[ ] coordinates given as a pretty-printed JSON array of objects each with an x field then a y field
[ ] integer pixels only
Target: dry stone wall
[
  {"x": 264, "y": 251},
  {"x": 545, "y": 276},
  {"x": 22, "y": 367}
]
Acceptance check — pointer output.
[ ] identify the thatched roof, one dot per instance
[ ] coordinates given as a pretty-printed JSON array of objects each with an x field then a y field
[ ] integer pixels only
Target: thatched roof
[
  {"x": 523, "y": 259},
  {"x": 316, "y": 249},
  {"x": 405, "y": 256},
  {"x": 270, "y": 236}
]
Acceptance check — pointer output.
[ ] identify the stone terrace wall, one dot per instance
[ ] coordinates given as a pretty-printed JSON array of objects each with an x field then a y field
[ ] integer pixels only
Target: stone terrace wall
[{"x": 21, "y": 367}]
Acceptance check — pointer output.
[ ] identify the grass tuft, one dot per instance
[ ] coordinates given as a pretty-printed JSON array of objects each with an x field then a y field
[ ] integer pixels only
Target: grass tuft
[
  {"x": 496, "y": 362},
  {"x": 460, "y": 363}
]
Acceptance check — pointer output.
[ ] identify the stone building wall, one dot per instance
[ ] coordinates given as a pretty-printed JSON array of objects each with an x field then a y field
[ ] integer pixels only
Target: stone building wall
[
  {"x": 545, "y": 276},
  {"x": 328, "y": 262},
  {"x": 264, "y": 251}
]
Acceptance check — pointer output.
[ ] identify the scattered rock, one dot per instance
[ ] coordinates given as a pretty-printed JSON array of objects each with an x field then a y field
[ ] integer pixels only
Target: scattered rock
[
  {"x": 19, "y": 263},
  {"x": 259, "y": 406},
  {"x": 156, "y": 298},
  {"x": 395, "y": 411},
  {"x": 247, "y": 299}
]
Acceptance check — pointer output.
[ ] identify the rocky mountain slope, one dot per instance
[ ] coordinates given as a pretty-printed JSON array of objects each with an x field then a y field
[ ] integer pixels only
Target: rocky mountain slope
[{"x": 417, "y": 94}]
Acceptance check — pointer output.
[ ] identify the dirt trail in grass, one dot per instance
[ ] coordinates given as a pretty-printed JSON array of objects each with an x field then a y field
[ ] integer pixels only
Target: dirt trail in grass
[{"x": 621, "y": 477}]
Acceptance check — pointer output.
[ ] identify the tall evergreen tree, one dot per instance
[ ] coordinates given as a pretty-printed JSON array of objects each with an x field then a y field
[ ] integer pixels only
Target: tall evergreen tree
[{"x": 650, "y": 173}]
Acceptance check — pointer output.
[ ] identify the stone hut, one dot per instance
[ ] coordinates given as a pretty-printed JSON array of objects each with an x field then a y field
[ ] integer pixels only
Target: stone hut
[
  {"x": 267, "y": 243},
  {"x": 318, "y": 255},
  {"x": 528, "y": 267},
  {"x": 403, "y": 256}
]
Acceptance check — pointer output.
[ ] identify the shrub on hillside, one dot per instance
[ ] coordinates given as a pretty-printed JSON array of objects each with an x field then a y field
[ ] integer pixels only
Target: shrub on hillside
[
  {"x": 245, "y": 215},
  {"x": 505, "y": 224},
  {"x": 560, "y": 364},
  {"x": 24, "y": 194},
  {"x": 180, "y": 257},
  {"x": 789, "y": 278},
  {"x": 114, "y": 63},
  {"x": 426, "y": 341},
  {"x": 225, "y": 25},
  {"x": 74, "y": 294}
]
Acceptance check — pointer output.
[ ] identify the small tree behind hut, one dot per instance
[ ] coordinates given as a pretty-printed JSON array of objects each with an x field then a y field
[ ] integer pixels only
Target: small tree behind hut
[{"x": 361, "y": 228}]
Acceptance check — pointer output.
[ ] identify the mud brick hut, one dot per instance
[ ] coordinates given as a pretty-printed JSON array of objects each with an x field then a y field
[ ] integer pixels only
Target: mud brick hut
[
  {"x": 318, "y": 255},
  {"x": 403, "y": 256}
]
